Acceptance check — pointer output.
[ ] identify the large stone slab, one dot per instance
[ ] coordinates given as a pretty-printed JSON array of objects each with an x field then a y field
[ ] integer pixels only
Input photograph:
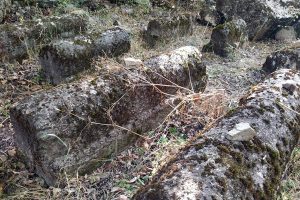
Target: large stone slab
[
  {"x": 215, "y": 167},
  {"x": 18, "y": 41},
  {"x": 263, "y": 17},
  {"x": 74, "y": 126},
  {"x": 62, "y": 59},
  {"x": 164, "y": 29}
]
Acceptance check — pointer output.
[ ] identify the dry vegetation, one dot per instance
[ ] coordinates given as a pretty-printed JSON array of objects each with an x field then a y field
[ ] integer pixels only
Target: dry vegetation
[{"x": 120, "y": 176}]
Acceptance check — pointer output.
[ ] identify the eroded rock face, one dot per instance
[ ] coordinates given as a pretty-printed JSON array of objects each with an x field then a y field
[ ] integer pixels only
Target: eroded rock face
[
  {"x": 60, "y": 60},
  {"x": 5, "y": 6},
  {"x": 70, "y": 127},
  {"x": 166, "y": 29},
  {"x": 17, "y": 41},
  {"x": 213, "y": 167},
  {"x": 288, "y": 59},
  {"x": 286, "y": 34},
  {"x": 263, "y": 17},
  {"x": 227, "y": 37}
]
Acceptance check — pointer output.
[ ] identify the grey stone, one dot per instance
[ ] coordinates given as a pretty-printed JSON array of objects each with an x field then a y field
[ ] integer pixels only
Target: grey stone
[
  {"x": 132, "y": 62},
  {"x": 113, "y": 42},
  {"x": 287, "y": 33},
  {"x": 165, "y": 29},
  {"x": 62, "y": 59},
  {"x": 263, "y": 18},
  {"x": 289, "y": 59},
  {"x": 65, "y": 58},
  {"x": 213, "y": 167},
  {"x": 74, "y": 126},
  {"x": 18, "y": 40},
  {"x": 241, "y": 132},
  {"x": 227, "y": 37},
  {"x": 5, "y": 7}
]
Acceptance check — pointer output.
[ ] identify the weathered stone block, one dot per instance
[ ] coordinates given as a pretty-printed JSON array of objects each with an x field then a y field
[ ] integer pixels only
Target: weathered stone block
[
  {"x": 74, "y": 126},
  {"x": 213, "y": 167},
  {"x": 227, "y": 37},
  {"x": 65, "y": 58},
  {"x": 263, "y": 18},
  {"x": 166, "y": 29},
  {"x": 19, "y": 40},
  {"x": 288, "y": 59}
]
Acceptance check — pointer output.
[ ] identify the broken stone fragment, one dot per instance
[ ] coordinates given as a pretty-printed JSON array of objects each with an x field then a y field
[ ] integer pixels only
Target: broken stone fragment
[
  {"x": 74, "y": 126},
  {"x": 132, "y": 62},
  {"x": 165, "y": 29},
  {"x": 62, "y": 59},
  {"x": 263, "y": 18},
  {"x": 213, "y": 167},
  {"x": 18, "y": 40},
  {"x": 227, "y": 37},
  {"x": 241, "y": 132},
  {"x": 287, "y": 59}
]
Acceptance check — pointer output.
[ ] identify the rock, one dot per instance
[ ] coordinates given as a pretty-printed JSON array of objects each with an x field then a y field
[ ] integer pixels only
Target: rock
[
  {"x": 241, "y": 132},
  {"x": 18, "y": 40},
  {"x": 3, "y": 158},
  {"x": 12, "y": 152},
  {"x": 5, "y": 6},
  {"x": 286, "y": 34},
  {"x": 213, "y": 167},
  {"x": 165, "y": 29},
  {"x": 288, "y": 59},
  {"x": 208, "y": 15},
  {"x": 74, "y": 126},
  {"x": 62, "y": 59},
  {"x": 113, "y": 42},
  {"x": 263, "y": 18},
  {"x": 297, "y": 28},
  {"x": 132, "y": 62},
  {"x": 227, "y": 37}
]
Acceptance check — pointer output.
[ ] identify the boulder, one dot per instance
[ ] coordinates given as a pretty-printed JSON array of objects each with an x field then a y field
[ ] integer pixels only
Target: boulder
[
  {"x": 288, "y": 59},
  {"x": 73, "y": 127},
  {"x": 227, "y": 37},
  {"x": 19, "y": 40},
  {"x": 213, "y": 167},
  {"x": 62, "y": 59},
  {"x": 167, "y": 28},
  {"x": 5, "y": 6},
  {"x": 113, "y": 42},
  {"x": 208, "y": 15},
  {"x": 286, "y": 34},
  {"x": 263, "y": 18}
]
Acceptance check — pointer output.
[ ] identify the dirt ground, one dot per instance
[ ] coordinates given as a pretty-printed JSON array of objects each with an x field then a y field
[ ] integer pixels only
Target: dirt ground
[{"x": 121, "y": 175}]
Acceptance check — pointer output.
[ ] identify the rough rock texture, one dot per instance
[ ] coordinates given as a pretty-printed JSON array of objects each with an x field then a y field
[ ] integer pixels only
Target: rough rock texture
[
  {"x": 297, "y": 28},
  {"x": 227, "y": 37},
  {"x": 166, "y": 29},
  {"x": 65, "y": 58},
  {"x": 208, "y": 14},
  {"x": 112, "y": 42},
  {"x": 213, "y": 167},
  {"x": 5, "y": 6},
  {"x": 288, "y": 59},
  {"x": 286, "y": 34},
  {"x": 73, "y": 127},
  {"x": 263, "y": 17},
  {"x": 17, "y": 41}
]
